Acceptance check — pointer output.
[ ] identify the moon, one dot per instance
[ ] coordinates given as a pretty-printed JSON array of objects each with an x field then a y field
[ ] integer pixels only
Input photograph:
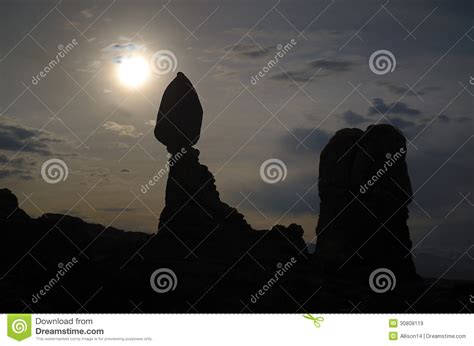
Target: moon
[{"x": 133, "y": 72}]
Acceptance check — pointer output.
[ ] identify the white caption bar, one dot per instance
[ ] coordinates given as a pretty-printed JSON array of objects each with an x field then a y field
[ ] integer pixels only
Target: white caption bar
[{"x": 238, "y": 329}]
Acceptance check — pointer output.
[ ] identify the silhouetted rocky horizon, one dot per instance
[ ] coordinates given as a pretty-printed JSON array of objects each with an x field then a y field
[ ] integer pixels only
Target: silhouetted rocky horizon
[
  {"x": 113, "y": 269},
  {"x": 205, "y": 257}
]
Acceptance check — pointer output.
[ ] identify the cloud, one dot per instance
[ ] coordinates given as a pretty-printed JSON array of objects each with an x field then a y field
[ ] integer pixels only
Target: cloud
[
  {"x": 19, "y": 167},
  {"x": 14, "y": 137},
  {"x": 117, "y": 51},
  {"x": 87, "y": 14},
  {"x": 353, "y": 118},
  {"x": 151, "y": 122},
  {"x": 126, "y": 48},
  {"x": 90, "y": 67},
  {"x": 297, "y": 76},
  {"x": 15, "y": 173},
  {"x": 225, "y": 73},
  {"x": 301, "y": 164},
  {"x": 332, "y": 65},
  {"x": 444, "y": 118},
  {"x": 119, "y": 145},
  {"x": 448, "y": 119},
  {"x": 404, "y": 90},
  {"x": 122, "y": 130},
  {"x": 96, "y": 172},
  {"x": 401, "y": 123},
  {"x": 398, "y": 114},
  {"x": 314, "y": 141},
  {"x": 393, "y": 113},
  {"x": 117, "y": 210},
  {"x": 393, "y": 108},
  {"x": 308, "y": 72},
  {"x": 282, "y": 198},
  {"x": 17, "y": 161},
  {"x": 248, "y": 50}
]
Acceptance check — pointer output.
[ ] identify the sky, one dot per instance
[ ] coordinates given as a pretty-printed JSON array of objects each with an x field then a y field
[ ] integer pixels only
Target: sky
[{"x": 81, "y": 112}]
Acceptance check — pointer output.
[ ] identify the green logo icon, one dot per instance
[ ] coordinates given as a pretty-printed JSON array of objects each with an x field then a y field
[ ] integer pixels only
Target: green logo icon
[
  {"x": 393, "y": 323},
  {"x": 19, "y": 326},
  {"x": 393, "y": 336},
  {"x": 316, "y": 320}
]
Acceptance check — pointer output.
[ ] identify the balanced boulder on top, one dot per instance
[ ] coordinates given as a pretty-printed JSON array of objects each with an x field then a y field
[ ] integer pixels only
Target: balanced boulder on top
[{"x": 179, "y": 119}]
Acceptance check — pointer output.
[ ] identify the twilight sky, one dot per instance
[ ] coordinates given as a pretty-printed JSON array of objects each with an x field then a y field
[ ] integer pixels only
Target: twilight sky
[{"x": 81, "y": 113}]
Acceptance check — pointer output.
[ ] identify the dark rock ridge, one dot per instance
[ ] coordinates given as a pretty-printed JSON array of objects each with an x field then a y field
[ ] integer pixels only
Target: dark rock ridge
[
  {"x": 9, "y": 206},
  {"x": 113, "y": 272}
]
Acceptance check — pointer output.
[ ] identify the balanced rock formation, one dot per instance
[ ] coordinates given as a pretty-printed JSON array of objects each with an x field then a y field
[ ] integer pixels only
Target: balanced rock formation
[
  {"x": 195, "y": 222},
  {"x": 365, "y": 190}
]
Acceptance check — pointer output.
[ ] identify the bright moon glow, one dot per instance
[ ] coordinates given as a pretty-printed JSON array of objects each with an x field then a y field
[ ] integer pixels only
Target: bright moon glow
[{"x": 133, "y": 71}]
